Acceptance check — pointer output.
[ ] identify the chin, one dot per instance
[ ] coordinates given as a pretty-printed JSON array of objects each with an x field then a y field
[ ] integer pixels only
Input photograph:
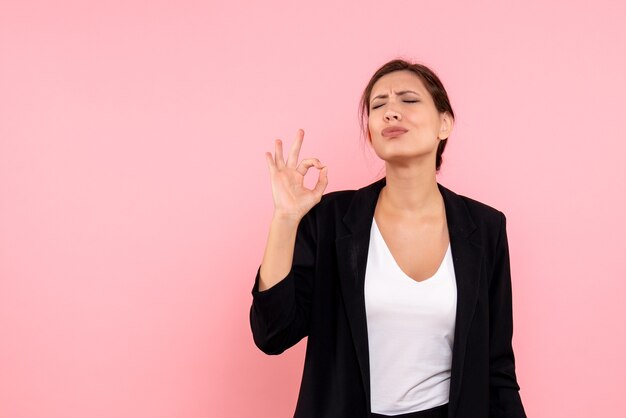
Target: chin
[
  {"x": 406, "y": 158},
  {"x": 398, "y": 152}
]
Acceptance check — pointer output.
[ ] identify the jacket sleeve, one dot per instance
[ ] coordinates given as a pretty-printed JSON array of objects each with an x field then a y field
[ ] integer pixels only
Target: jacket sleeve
[
  {"x": 505, "y": 401},
  {"x": 279, "y": 316}
]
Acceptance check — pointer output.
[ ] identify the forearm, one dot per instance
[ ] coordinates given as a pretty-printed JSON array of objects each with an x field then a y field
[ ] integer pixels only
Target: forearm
[{"x": 278, "y": 256}]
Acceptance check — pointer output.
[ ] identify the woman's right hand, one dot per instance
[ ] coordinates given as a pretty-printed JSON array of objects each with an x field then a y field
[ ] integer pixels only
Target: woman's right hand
[{"x": 291, "y": 199}]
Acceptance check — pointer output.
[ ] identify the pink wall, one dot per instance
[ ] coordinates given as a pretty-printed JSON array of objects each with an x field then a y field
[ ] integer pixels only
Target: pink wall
[{"x": 135, "y": 199}]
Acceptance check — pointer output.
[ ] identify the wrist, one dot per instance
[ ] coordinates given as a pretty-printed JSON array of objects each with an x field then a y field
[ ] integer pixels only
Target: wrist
[{"x": 286, "y": 218}]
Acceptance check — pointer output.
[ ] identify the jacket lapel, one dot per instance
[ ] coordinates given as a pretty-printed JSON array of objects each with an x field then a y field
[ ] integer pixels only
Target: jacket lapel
[{"x": 352, "y": 249}]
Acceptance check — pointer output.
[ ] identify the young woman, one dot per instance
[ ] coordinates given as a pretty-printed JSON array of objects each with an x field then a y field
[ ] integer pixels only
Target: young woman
[{"x": 402, "y": 287}]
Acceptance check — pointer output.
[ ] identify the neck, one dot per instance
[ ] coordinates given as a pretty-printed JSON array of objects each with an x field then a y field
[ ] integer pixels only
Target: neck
[{"x": 411, "y": 190}]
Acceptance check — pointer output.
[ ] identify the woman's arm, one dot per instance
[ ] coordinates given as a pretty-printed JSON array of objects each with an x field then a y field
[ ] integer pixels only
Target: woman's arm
[
  {"x": 505, "y": 401},
  {"x": 281, "y": 293}
]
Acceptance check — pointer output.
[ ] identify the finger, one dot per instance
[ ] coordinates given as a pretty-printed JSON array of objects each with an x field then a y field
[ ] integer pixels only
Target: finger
[
  {"x": 304, "y": 165},
  {"x": 294, "y": 151},
  {"x": 280, "y": 162},
  {"x": 270, "y": 161},
  {"x": 322, "y": 181}
]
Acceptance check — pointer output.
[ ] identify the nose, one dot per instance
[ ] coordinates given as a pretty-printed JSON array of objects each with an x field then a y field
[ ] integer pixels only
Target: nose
[{"x": 391, "y": 115}]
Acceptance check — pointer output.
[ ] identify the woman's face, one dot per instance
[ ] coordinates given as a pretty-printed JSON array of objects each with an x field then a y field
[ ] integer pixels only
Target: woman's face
[{"x": 404, "y": 124}]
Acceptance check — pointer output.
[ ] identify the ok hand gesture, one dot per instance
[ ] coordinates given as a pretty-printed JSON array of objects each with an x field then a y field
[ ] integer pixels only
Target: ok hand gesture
[{"x": 291, "y": 199}]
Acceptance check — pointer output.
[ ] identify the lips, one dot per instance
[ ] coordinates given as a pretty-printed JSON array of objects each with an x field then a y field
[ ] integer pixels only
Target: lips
[{"x": 393, "y": 131}]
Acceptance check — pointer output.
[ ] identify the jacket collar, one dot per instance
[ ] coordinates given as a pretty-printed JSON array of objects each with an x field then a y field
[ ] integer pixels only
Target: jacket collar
[
  {"x": 352, "y": 250},
  {"x": 361, "y": 210}
]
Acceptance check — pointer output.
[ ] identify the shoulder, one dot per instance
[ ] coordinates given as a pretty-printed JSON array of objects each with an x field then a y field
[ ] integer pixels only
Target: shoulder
[
  {"x": 481, "y": 209},
  {"x": 332, "y": 207},
  {"x": 484, "y": 215},
  {"x": 340, "y": 201},
  {"x": 338, "y": 198},
  {"x": 339, "y": 209}
]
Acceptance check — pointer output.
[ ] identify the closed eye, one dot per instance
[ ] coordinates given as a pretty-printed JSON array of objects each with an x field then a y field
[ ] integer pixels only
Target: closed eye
[{"x": 405, "y": 101}]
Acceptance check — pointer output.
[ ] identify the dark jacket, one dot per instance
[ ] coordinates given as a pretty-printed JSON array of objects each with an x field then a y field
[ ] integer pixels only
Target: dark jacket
[{"x": 322, "y": 297}]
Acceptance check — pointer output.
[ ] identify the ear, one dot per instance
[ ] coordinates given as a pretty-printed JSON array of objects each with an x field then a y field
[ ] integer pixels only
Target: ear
[{"x": 447, "y": 123}]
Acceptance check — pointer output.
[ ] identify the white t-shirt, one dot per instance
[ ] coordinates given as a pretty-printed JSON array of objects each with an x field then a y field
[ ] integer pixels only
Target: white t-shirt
[{"x": 410, "y": 329}]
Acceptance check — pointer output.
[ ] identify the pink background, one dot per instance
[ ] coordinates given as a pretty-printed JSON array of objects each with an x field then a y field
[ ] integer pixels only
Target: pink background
[{"x": 135, "y": 198}]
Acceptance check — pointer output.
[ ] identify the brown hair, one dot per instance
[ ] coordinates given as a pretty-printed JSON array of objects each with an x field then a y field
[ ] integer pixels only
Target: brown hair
[{"x": 432, "y": 84}]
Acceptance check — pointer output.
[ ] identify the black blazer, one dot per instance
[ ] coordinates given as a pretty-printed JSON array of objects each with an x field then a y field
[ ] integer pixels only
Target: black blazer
[{"x": 322, "y": 297}]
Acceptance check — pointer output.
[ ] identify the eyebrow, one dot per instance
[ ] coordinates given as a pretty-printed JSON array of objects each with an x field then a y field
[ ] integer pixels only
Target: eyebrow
[{"x": 400, "y": 93}]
